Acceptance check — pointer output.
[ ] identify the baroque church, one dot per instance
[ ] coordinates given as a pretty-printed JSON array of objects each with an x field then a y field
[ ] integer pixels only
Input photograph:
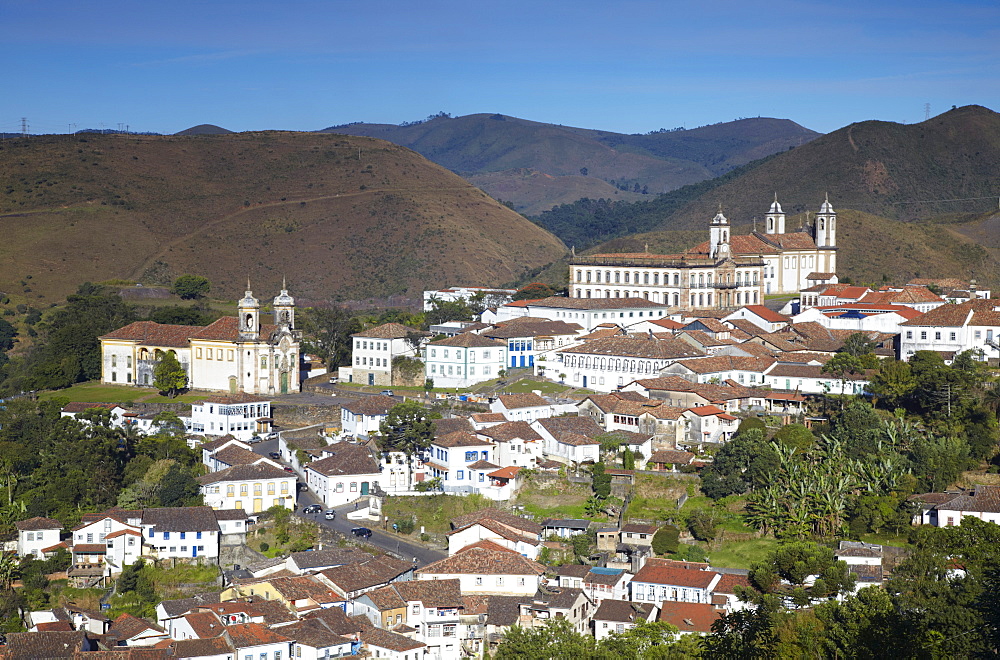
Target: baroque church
[
  {"x": 233, "y": 354},
  {"x": 724, "y": 272}
]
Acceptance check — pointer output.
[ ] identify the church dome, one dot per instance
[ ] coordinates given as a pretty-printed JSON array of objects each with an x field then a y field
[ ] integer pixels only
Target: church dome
[
  {"x": 775, "y": 206},
  {"x": 720, "y": 219}
]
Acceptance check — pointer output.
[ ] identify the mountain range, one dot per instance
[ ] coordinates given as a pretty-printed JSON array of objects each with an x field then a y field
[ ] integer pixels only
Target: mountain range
[{"x": 534, "y": 165}]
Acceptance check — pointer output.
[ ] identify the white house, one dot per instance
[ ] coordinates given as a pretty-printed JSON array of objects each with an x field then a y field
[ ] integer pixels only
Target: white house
[
  {"x": 73, "y": 409},
  {"x": 461, "y": 460},
  {"x": 948, "y": 509},
  {"x": 252, "y": 488},
  {"x": 499, "y": 527},
  {"x": 619, "y": 615},
  {"x": 254, "y": 640},
  {"x": 105, "y": 543},
  {"x": 609, "y": 363},
  {"x": 484, "y": 571},
  {"x": 710, "y": 424},
  {"x": 528, "y": 338},
  {"x": 375, "y": 349},
  {"x": 523, "y": 407},
  {"x": 953, "y": 329},
  {"x": 239, "y": 415},
  {"x": 464, "y": 360},
  {"x": 37, "y": 535},
  {"x": 181, "y": 533},
  {"x": 516, "y": 443},
  {"x": 585, "y": 312},
  {"x": 665, "y": 580},
  {"x": 364, "y": 416},
  {"x": 570, "y": 440},
  {"x": 347, "y": 473},
  {"x": 763, "y": 317}
]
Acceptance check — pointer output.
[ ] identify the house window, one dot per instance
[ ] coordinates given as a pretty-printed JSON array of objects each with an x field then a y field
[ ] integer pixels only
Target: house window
[
  {"x": 909, "y": 334},
  {"x": 354, "y": 486},
  {"x": 471, "y": 456},
  {"x": 923, "y": 334},
  {"x": 479, "y": 580},
  {"x": 951, "y": 336},
  {"x": 461, "y": 475},
  {"x": 499, "y": 581},
  {"x": 937, "y": 336},
  {"x": 166, "y": 536}
]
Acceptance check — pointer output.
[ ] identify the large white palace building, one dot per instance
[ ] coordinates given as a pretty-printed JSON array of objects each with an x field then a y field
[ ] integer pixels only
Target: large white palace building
[
  {"x": 233, "y": 354},
  {"x": 724, "y": 272}
]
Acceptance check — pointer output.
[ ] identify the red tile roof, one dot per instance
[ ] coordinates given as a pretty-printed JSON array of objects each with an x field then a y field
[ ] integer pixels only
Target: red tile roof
[
  {"x": 154, "y": 334},
  {"x": 481, "y": 561},
  {"x": 689, "y": 617},
  {"x": 662, "y": 571}
]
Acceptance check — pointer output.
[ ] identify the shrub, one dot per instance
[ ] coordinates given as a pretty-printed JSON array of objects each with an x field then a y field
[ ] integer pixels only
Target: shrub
[
  {"x": 666, "y": 540},
  {"x": 264, "y": 546}
]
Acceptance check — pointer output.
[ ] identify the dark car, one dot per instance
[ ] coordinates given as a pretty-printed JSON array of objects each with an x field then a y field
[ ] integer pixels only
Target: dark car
[
  {"x": 274, "y": 454},
  {"x": 301, "y": 487},
  {"x": 362, "y": 532},
  {"x": 312, "y": 508}
]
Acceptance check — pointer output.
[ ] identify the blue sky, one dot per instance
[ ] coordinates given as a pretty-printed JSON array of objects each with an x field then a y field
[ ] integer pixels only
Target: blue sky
[{"x": 619, "y": 66}]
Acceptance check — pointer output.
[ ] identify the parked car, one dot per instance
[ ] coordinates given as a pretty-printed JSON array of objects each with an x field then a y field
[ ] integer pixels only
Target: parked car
[
  {"x": 362, "y": 532},
  {"x": 386, "y": 393},
  {"x": 275, "y": 455},
  {"x": 273, "y": 435},
  {"x": 287, "y": 469},
  {"x": 330, "y": 514},
  {"x": 312, "y": 508},
  {"x": 301, "y": 487},
  {"x": 254, "y": 439}
]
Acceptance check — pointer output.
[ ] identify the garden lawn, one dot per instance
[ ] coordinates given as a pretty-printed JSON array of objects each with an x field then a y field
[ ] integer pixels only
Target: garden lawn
[
  {"x": 95, "y": 392},
  {"x": 556, "y": 499},
  {"x": 741, "y": 554},
  {"x": 433, "y": 512},
  {"x": 525, "y": 386}
]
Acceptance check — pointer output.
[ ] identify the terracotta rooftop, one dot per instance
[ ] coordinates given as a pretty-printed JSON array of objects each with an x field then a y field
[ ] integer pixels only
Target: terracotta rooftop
[
  {"x": 480, "y": 561},
  {"x": 460, "y": 439},
  {"x": 37, "y": 523},
  {"x": 622, "y": 611},
  {"x": 637, "y": 347},
  {"x": 390, "y": 331},
  {"x": 245, "y": 473},
  {"x": 659, "y": 571},
  {"x": 371, "y": 405},
  {"x": 346, "y": 458},
  {"x": 510, "y": 431},
  {"x": 689, "y": 617},
  {"x": 527, "y": 400},
  {"x": 245, "y": 635}
]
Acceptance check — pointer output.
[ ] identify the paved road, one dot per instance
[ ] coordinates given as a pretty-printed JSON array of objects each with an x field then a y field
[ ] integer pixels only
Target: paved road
[{"x": 385, "y": 541}]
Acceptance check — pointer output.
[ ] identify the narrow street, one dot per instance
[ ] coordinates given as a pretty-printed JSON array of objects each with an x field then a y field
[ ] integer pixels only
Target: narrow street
[{"x": 384, "y": 541}]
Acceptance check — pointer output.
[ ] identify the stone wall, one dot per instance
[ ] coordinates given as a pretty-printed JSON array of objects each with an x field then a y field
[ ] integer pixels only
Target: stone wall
[{"x": 289, "y": 416}]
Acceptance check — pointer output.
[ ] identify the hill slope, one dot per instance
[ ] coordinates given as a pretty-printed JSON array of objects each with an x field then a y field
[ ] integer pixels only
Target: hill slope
[
  {"x": 342, "y": 217},
  {"x": 882, "y": 168},
  {"x": 503, "y": 147}
]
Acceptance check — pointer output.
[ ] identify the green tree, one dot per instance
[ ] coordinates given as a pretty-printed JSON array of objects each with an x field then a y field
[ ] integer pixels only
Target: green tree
[
  {"x": 638, "y": 641},
  {"x": 408, "y": 428},
  {"x": 168, "y": 374},
  {"x": 743, "y": 463},
  {"x": 534, "y": 291},
  {"x": 842, "y": 366},
  {"x": 702, "y": 524},
  {"x": 795, "y": 436},
  {"x": 555, "y": 639},
  {"x": 190, "y": 287},
  {"x": 892, "y": 383},
  {"x": 601, "y": 481},
  {"x": 861, "y": 626},
  {"x": 786, "y": 569},
  {"x": 666, "y": 540}
]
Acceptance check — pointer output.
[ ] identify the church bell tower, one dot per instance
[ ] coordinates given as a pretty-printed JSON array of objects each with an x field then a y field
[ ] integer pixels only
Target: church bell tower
[
  {"x": 248, "y": 313},
  {"x": 775, "y": 219},
  {"x": 719, "y": 236},
  {"x": 826, "y": 225},
  {"x": 284, "y": 309}
]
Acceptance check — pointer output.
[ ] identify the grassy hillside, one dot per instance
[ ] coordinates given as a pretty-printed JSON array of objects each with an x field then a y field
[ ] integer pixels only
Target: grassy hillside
[
  {"x": 502, "y": 146},
  {"x": 341, "y": 217}
]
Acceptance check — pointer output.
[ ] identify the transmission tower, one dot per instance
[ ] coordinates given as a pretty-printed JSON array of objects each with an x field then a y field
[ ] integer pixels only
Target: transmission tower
[
  {"x": 927, "y": 111},
  {"x": 24, "y": 127}
]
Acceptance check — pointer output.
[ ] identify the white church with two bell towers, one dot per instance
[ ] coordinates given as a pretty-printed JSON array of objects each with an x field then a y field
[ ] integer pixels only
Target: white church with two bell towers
[
  {"x": 724, "y": 272},
  {"x": 235, "y": 354}
]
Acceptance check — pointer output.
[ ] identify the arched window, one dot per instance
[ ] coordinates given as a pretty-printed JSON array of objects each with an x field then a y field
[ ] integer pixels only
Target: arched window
[
  {"x": 677, "y": 300},
  {"x": 627, "y": 274},
  {"x": 645, "y": 278},
  {"x": 709, "y": 297},
  {"x": 656, "y": 278},
  {"x": 701, "y": 280},
  {"x": 618, "y": 277}
]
